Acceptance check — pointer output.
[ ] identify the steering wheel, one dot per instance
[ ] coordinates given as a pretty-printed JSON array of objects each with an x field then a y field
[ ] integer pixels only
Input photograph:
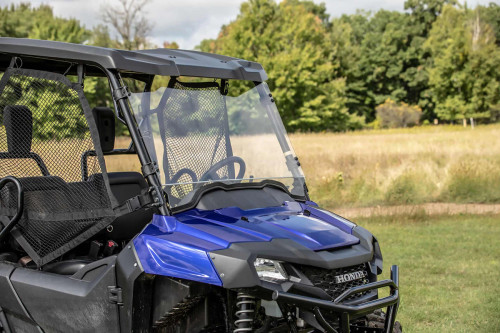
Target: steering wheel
[
  {"x": 182, "y": 172},
  {"x": 211, "y": 174}
]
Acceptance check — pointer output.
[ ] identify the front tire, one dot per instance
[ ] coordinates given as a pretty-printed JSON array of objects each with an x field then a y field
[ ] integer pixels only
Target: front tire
[{"x": 377, "y": 320}]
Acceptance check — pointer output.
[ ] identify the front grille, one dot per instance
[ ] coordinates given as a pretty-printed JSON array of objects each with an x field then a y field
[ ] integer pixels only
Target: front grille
[{"x": 325, "y": 279}]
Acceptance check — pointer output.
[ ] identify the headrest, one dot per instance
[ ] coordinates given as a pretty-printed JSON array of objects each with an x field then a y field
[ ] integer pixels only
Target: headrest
[
  {"x": 105, "y": 121},
  {"x": 18, "y": 122}
]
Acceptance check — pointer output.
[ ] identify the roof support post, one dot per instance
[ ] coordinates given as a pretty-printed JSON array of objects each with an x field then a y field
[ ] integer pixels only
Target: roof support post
[{"x": 149, "y": 167}]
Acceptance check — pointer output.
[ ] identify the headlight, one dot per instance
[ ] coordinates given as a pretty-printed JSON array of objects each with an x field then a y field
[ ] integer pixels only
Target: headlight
[{"x": 270, "y": 270}]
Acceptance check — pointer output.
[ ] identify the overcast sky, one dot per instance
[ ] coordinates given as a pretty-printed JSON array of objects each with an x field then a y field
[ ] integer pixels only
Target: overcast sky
[{"x": 190, "y": 21}]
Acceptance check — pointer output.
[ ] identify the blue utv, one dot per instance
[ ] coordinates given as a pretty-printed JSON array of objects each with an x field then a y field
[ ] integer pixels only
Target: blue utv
[{"x": 174, "y": 203}]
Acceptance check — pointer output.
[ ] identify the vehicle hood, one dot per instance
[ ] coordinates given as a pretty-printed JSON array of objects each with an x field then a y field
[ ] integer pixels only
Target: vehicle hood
[
  {"x": 220, "y": 228},
  {"x": 179, "y": 245}
]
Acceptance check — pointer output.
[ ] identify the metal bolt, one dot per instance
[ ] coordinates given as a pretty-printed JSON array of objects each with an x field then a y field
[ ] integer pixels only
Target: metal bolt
[
  {"x": 135, "y": 265},
  {"x": 129, "y": 247},
  {"x": 221, "y": 275},
  {"x": 272, "y": 100}
]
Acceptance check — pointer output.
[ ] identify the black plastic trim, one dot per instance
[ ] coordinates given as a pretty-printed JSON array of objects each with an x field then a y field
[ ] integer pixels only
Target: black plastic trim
[
  {"x": 165, "y": 62},
  {"x": 230, "y": 187},
  {"x": 236, "y": 262}
]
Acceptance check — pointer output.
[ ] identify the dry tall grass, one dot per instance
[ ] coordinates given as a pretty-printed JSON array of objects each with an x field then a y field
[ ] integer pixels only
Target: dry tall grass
[
  {"x": 403, "y": 166},
  {"x": 425, "y": 164}
]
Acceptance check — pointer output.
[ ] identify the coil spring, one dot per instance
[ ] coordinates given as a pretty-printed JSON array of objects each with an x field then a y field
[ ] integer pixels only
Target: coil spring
[{"x": 245, "y": 313}]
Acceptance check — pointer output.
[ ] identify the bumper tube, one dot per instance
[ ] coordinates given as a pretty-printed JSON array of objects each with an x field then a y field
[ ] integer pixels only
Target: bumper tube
[{"x": 345, "y": 311}]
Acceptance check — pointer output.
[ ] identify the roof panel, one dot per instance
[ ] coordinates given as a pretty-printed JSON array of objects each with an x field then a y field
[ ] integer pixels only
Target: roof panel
[{"x": 167, "y": 62}]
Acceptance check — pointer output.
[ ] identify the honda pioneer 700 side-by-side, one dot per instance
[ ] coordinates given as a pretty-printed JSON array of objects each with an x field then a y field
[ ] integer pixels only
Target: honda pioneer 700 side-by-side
[{"x": 175, "y": 204}]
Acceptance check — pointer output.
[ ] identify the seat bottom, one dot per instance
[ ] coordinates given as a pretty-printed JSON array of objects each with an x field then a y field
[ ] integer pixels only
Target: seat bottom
[{"x": 66, "y": 267}]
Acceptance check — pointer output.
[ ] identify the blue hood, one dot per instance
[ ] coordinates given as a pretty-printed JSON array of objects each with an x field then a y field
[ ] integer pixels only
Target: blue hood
[{"x": 179, "y": 245}]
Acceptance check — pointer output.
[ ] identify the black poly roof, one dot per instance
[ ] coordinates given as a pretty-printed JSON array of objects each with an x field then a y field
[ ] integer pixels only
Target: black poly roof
[{"x": 168, "y": 62}]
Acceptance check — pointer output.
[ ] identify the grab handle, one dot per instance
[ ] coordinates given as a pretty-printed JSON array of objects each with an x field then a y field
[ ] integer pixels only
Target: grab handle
[{"x": 20, "y": 205}]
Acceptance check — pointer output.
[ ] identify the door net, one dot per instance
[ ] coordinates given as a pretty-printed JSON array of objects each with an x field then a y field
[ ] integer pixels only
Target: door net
[{"x": 46, "y": 126}]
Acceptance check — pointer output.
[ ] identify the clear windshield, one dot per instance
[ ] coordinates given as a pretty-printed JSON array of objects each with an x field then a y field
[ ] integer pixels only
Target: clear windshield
[{"x": 199, "y": 136}]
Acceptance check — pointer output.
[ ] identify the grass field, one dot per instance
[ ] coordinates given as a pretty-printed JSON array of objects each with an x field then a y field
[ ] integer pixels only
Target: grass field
[
  {"x": 449, "y": 270},
  {"x": 387, "y": 167},
  {"x": 402, "y": 166}
]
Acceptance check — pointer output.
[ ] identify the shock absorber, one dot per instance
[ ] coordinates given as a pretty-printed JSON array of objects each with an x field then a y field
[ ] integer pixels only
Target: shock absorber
[{"x": 245, "y": 313}]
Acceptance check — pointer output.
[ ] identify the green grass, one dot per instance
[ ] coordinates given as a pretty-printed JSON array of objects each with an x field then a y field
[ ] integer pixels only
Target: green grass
[{"x": 449, "y": 270}]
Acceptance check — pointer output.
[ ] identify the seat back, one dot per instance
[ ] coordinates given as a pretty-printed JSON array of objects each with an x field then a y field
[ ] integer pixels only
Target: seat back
[
  {"x": 18, "y": 122},
  {"x": 124, "y": 186}
]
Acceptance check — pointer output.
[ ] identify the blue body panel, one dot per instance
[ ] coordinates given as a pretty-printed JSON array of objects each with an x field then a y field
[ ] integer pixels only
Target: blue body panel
[{"x": 178, "y": 245}]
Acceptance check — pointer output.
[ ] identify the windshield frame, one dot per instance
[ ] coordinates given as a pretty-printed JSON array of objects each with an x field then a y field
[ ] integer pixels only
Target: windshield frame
[{"x": 268, "y": 103}]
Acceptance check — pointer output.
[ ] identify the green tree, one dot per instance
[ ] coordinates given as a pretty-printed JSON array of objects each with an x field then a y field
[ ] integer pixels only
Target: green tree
[
  {"x": 423, "y": 14},
  {"x": 491, "y": 15},
  {"x": 17, "y": 20},
  {"x": 25, "y": 21},
  {"x": 291, "y": 40},
  {"x": 382, "y": 56},
  {"x": 463, "y": 78},
  {"x": 373, "y": 59}
]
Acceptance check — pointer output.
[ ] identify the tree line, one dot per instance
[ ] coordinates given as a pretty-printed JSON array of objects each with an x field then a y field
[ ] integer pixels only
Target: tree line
[
  {"x": 437, "y": 57},
  {"x": 332, "y": 73}
]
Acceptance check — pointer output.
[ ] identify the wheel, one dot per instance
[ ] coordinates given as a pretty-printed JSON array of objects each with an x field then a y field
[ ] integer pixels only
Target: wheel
[{"x": 377, "y": 320}]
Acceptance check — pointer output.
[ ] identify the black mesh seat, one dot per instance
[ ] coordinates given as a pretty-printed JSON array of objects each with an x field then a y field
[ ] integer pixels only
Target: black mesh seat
[{"x": 45, "y": 127}]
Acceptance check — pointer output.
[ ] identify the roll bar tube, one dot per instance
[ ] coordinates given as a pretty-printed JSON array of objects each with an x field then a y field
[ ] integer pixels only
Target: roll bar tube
[
  {"x": 20, "y": 204},
  {"x": 149, "y": 167}
]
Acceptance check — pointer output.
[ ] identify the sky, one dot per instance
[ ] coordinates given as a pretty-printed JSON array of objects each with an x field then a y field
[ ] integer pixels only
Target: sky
[{"x": 188, "y": 22}]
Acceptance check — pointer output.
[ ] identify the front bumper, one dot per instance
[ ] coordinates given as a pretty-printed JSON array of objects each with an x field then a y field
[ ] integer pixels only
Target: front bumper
[{"x": 345, "y": 311}]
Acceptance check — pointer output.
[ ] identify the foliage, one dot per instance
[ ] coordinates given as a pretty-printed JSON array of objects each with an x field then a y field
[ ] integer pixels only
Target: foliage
[
  {"x": 326, "y": 74},
  {"x": 393, "y": 115},
  {"x": 491, "y": 15},
  {"x": 463, "y": 78},
  {"x": 408, "y": 188},
  {"x": 472, "y": 181},
  {"x": 290, "y": 40},
  {"x": 57, "y": 107},
  {"x": 24, "y": 21}
]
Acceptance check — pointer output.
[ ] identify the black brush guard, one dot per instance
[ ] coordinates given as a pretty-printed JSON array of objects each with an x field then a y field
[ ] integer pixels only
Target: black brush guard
[{"x": 344, "y": 311}]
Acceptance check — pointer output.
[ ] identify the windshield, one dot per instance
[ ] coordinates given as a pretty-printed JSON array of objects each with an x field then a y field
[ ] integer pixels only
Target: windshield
[{"x": 199, "y": 136}]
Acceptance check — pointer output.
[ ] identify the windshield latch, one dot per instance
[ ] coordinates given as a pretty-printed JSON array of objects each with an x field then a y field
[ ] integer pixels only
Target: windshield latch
[
  {"x": 121, "y": 93},
  {"x": 150, "y": 169}
]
